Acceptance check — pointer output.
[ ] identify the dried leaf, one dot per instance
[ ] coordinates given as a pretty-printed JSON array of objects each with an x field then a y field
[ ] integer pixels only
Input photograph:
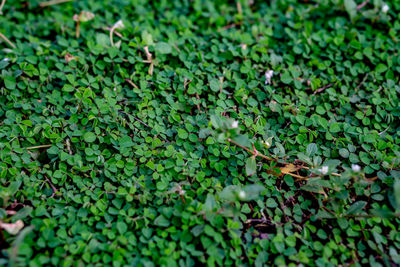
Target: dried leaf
[
  {"x": 68, "y": 57},
  {"x": 12, "y": 228},
  {"x": 289, "y": 169}
]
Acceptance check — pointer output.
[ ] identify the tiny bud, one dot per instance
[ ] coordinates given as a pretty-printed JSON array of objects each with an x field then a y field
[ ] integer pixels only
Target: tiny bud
[
  {"x": 235, "y": 124},
  {"x": 119, "y": 25},
  {"x": 385, "y": 8},
  {"x": 268, "y": 76},
  {"x": 324, "y": 170},
  {"x": 355, "y": 167}
]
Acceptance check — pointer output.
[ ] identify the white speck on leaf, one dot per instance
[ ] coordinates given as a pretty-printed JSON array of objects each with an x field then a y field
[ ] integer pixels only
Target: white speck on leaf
[
  {"x": 355, "y": 167},
  {"x": 268, "y": 76},
  {"x": 324, "y": 170},
  {"x": 266, "y": 143},
  {"x": 242, "y": 194},
  {"x": 119, "y": 25},
  {"x": 385, "y": 8},
  {"x": 235, "y": 124}
]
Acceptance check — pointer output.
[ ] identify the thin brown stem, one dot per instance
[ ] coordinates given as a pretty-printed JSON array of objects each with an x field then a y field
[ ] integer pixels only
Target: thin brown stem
[
  {"x": 36, "y": 147},
  {"x": 239, "y": 8},
  {"x": 132, "y": 83},
  {"x": 319, "y": 90},
  {"x": 1, "y": 6},
  {"x": 52, "y": 186},
  {"x": 53, "y": 2},
  {"x": 68, "y": 146},
  {"x": 258, "y": 154},
  {"x": 2, "y": 36},
  {"x": 115, "y": 32},
  {"x": 362, "y": 82},
  {"x": 362, "y": 4},
  {"x": 112, "y": 35},
  {"x": 149, "y": 60},
  {"x": 140, "y": 121},
  {"x": 254, "y": 153}
]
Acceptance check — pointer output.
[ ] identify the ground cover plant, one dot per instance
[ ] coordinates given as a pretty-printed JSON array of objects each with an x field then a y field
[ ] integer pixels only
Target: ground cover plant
[{"x": 182, "y": 133}]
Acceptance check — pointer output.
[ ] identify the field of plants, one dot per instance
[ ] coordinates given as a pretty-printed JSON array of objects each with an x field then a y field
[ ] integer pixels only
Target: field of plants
[{"x": 199, "y": 133}]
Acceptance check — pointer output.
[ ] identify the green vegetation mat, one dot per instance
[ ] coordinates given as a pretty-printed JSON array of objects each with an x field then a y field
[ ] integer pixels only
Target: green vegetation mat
[{"x": 183, "y": 133}]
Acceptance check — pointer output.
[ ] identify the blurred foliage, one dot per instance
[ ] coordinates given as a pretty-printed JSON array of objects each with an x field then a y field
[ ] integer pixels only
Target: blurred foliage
[{"x": 182, "y": 133}]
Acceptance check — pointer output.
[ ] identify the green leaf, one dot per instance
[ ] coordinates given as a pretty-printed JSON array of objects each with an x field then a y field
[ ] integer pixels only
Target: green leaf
[
  {"x": 68, "y": 88},
  {"x": 334, "y": 127},
  {"x": 251, "y": 166},
  {"x": 215, "y": 85},
  {"x": 382, "y": 213},
  {"x": 271, "y": 203},
  {"x": 122, "y": 227},
  {"x": 381, "y": 68},
  {"x": 103, "y": 40},
  {"x": 10, "y": 82},
  {"x": 351, "y": 8},
  {"x": 89, "y": 137},
  {"x": 312, "y": 149},
  {"x": 216, "y": 121},
  {"x": 253, "y": 191},
  {"x": 161, "y": 221},
  {"x": 147, "y": 38},
  {"x": 163, "y": 48},
  {"x": 286, "y": 78},
  {"x": 242, "y": 140},
  {"x": 344, "y": 153},
  {"x": 356, "y": 207},
  {"x": 396, "y": 191},
  {"x": 182, "y": 134}
]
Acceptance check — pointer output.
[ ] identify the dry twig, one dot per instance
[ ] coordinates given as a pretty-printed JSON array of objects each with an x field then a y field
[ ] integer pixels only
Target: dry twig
[
  {"x": 53, "y": 2},
  {"x": 2, "y": 36},
  {"x": 362, "y": 4},
  {"x": 149, "y": 59},
  {"x": 1, "y": 6},
  {"x": 52, "y": 186},
  {"x": 255, "y": 153},
  {"x": 35, "y": 147},
  {"x": 132, "y": 83},
  {"x": 319, "y": 90}
]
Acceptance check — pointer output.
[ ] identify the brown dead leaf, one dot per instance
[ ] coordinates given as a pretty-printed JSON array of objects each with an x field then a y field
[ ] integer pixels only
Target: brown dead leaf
[
  {"x": 289, "y": 169},
  {"x": 12, "y": 228},
  {"x": 68, "y": 57}
]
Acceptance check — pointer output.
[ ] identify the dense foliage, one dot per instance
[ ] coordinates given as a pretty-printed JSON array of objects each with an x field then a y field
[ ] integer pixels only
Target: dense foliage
[{"x": 199, "y": 132}]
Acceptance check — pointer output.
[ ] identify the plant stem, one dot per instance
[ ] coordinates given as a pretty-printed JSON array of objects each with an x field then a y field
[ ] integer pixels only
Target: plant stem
[
  {"x": 77, "y": 29},
  {"x": 52, "y": 186},
  {"x": 140, "y": 121},
  {"x": 256, "y": 153},
  {"x": 132, "y": 83},
  {"x": 319, "y": 90},
  {"x": 1, "y": 6},
  {"x": 53, "y": 2},
  {"x": 6, "y": 40},
  {"x": 250, "y": 151},
  {"x": 35, "y": 147},
  {"x": 362, "y": 4},
  {"x": 111, "y": 35}
]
